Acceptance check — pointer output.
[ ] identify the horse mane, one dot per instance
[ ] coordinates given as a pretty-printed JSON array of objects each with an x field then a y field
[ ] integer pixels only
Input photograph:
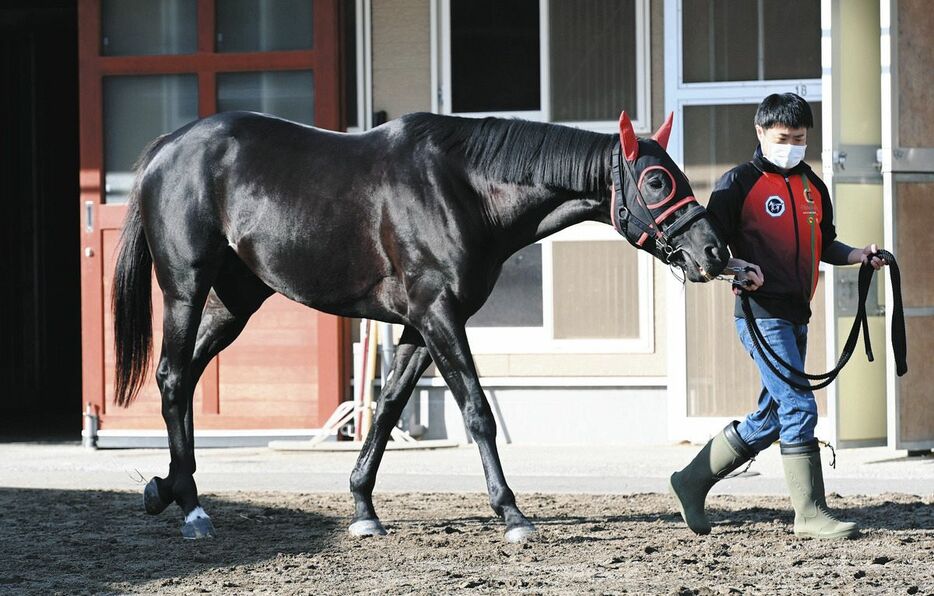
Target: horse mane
[{"x": 524, "y": 152}]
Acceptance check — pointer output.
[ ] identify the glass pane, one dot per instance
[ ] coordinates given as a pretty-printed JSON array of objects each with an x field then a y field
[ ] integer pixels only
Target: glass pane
[
  {"x": 287, "y": 94},
  {"x": 596, "y": 289},
  {"x": 145, "y": 27},
  {"x": 718, "y": 137},
  {"x": 495, "y": 55},
  {"x": 264, "y": 25},
  {"x": 349, "y": 16},
  {"x": 516, "y": 300},
  {"x": 593, "y": 59},
  {"x": 137, "y": 109},
  {"x": 791, "y": 46},
  {"x": 725, "y": 40},
  {"x": 722, "y": 379}
]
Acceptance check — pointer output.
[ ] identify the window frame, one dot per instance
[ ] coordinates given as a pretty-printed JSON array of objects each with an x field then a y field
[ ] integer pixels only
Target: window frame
[
  {"x": 441, "y": 72},
  {"x": 678, "y": 95},
  {"x": 525, "y": 340},
  {"x": 100, "y": 217},
  {"x": 541, "y": 340}
]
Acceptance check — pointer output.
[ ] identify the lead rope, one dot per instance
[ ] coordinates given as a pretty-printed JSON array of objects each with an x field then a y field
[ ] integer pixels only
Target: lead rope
[
  {"x": 833, "y": 452},
  {"x": 743, "y": 471},
  {"x": 861, "y": 321}
]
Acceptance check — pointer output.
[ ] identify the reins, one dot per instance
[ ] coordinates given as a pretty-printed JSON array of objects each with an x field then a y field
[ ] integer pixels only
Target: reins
[{"x": 861, "y": 321}]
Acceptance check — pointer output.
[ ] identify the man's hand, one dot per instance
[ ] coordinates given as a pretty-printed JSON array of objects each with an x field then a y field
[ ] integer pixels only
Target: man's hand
[
  {"x": 863, "y": 255},
  {"x": 748, "y": 276}
]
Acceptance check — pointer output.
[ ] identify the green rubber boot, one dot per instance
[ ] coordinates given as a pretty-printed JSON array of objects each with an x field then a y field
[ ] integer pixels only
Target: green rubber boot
[
  {"x": 805, "y": 480},
  {"x": 720, "y": 456}
]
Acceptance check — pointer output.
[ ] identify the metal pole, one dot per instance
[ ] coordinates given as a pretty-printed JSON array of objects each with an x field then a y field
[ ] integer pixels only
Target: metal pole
[{"x": 387, "y": 351}]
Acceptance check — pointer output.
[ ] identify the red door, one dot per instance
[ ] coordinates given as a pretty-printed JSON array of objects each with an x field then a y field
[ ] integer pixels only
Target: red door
[{"x": 145, "y": 74}]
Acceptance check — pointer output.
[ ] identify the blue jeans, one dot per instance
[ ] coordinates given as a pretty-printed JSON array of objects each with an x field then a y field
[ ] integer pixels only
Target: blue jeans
[{"x": 783, "y": 413}]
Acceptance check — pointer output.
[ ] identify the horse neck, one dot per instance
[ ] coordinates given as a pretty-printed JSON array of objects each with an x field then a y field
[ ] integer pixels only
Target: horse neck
[
  {"x": 535, "y": 178},
  {"x": 519, "y": 215}
]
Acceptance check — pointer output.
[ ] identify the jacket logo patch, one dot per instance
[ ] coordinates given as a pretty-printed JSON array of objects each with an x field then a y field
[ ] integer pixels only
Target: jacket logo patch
[{"x": 775, "y": 206}]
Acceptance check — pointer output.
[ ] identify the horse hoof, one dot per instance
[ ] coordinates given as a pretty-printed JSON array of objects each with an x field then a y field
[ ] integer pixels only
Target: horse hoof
[
  {"x": 521, "y": 534},
  {"x": 151, "y": 499},
  {"x": 366, "y": 527},
  {"x": 197, "y": 528}
]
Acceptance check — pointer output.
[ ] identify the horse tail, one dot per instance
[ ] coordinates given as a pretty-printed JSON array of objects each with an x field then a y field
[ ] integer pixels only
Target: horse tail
[{"x": 132, "y": 294}]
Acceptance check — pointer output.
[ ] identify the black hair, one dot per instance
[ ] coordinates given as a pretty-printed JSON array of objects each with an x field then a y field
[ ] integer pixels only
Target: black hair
[
  {"x": 523, "y": 152},
  {"x": 784, "y": 109}
]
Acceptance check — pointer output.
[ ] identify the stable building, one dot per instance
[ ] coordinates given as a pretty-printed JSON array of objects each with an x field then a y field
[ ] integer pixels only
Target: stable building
[{"x": 584, "y": 340}]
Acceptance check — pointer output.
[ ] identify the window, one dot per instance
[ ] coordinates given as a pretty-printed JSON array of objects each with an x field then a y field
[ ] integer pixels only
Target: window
[
  {"x": 264, "y": 25},
  {"x": 594, "y": 283},
  {"x": 573, "y": 61},
  {"x": 352, "y": 64},
  {"x": 137, "y": 109},
  {"x": 593, "y": 58},
  {"x": 259, "y": 56},
  {"x": 583, "y": 289},
  {"x": 722, "y": 59},
  {"x": 720, "y": 45},
  {"x": 516, "y": 300},
  {"x": 495, "y": 56},
  {"x": 288, "y": 94},
  {"x": 719, "y": 137},
  {"x": 148, "y": 27},
  {"x": 722, "y": 136}
]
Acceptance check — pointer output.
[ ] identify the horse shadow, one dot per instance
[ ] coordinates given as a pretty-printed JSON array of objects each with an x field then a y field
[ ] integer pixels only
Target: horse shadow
[{"x": 67, "y": 541}]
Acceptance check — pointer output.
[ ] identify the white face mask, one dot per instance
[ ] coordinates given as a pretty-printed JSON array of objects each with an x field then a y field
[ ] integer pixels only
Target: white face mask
[{"x": 784, "y": 156}]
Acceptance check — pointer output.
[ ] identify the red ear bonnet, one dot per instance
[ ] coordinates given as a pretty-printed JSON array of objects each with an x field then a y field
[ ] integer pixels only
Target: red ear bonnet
[
  {"x": 627, "y": 138},
  {"x": 664, "y": 131}
]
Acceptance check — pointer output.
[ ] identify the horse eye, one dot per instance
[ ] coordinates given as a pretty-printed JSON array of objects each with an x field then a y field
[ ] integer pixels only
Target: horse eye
[{"x": 655, "y": 183}]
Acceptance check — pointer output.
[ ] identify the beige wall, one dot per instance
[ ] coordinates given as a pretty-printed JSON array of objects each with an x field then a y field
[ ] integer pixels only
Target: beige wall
[{"x": 401, "y": 56}]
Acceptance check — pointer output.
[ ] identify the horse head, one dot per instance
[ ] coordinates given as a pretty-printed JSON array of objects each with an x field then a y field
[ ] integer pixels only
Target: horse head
[{"x": 654, "y": 207}]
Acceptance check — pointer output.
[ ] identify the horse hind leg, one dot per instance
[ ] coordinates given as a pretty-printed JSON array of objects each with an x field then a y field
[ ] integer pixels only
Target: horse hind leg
[
  {"x": 446, "y": 340},
  {"x": 410, "y": 362},
  {"x": 235, "y": 296}
]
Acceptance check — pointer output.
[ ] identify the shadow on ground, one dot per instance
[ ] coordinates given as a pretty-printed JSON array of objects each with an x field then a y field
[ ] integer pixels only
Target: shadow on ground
[
  {"x": 100, "y": 541},
  {"x": 55, "y": 541}
]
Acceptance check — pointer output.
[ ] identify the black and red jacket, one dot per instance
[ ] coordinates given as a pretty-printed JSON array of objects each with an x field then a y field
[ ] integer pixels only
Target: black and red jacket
[{"x": 781, "y": 221}]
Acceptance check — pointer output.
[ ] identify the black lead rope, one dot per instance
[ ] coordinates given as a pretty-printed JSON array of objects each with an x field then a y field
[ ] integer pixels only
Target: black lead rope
[{"x": 899, "y": 345}]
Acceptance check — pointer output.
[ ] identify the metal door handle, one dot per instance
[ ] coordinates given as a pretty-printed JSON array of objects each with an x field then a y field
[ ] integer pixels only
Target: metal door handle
[{"x": 89, "y": 216}]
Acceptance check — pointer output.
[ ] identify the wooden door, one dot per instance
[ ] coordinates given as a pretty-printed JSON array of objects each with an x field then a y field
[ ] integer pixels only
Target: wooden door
[
  {"x": 908, "y": 174},
  {"x": 145, "y": 74}
]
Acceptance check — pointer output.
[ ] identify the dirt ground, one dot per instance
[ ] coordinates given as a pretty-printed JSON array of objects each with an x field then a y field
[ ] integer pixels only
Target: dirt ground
[{"x": 54, "y": 541}]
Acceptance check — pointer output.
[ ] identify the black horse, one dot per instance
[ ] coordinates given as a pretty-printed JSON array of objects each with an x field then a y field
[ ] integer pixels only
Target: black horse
[{"x": 408, "y": 223}]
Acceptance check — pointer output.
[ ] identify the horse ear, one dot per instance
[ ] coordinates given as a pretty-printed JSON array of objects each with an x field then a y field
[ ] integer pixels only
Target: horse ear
[
  {"x": 627, "y": 138},
  {"x": 664, "y": 131}
]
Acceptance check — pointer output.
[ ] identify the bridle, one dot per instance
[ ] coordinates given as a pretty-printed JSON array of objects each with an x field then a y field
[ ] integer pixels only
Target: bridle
[{"x": 639, "y": 221}]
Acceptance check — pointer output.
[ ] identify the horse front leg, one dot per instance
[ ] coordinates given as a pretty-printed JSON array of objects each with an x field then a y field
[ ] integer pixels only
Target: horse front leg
[
  {"x": 410, "y": 362},
  {"x": 447, "y": 343},
  {"x": 176, "y": 384}
]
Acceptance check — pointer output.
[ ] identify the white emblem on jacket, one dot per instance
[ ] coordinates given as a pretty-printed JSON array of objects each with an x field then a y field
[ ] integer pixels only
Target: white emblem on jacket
[{"x": 775, "y": 206}]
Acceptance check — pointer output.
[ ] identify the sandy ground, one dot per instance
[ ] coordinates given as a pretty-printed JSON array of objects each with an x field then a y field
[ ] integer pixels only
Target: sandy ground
[{"x": 78, "y": 541}]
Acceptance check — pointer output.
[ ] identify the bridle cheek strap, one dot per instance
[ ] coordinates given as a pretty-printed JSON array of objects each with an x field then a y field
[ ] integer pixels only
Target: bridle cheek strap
[{"x": 679, "y": 223}]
